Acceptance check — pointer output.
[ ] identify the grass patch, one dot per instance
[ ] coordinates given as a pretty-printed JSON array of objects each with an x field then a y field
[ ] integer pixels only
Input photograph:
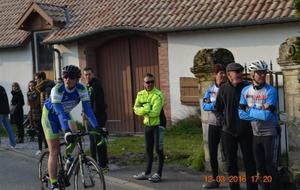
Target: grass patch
[{"x": 183, "y": 145}]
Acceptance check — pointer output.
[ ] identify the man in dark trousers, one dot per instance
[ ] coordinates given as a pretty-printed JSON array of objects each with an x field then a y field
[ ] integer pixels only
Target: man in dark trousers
[
  {"x": 214, "y": 126},
  {"x": 235, "y": 131},
  {"x": 149, "y": 104},
  {"x": 99, "y": 107}
]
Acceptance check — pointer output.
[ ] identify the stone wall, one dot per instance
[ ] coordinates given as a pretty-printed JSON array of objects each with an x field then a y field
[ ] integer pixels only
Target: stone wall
[{"x": 291, "y": 74}]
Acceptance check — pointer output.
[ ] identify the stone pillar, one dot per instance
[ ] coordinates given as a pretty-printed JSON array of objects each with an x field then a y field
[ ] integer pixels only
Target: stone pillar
[
  {"x": 291, "y": 78},
  {"x": 203, "y": 85},
  {"x": 204, "y": 62}
]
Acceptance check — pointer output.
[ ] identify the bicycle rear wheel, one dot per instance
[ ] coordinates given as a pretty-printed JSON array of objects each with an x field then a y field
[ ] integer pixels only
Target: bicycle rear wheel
[
  {"x": 88, "y": 175},
  {"x": 43, "y": 171}
]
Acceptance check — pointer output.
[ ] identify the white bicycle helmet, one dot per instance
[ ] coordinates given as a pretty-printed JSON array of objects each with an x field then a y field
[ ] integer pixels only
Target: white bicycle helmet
[{"x": 258, "y": 65}]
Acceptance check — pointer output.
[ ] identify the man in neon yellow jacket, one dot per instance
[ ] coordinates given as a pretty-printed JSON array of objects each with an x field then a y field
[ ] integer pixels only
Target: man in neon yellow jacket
[{"x": 149, "y": 103}]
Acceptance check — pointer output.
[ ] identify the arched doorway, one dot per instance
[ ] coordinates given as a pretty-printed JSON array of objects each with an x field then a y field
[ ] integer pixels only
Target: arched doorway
[{"x": 121, "y": 65}]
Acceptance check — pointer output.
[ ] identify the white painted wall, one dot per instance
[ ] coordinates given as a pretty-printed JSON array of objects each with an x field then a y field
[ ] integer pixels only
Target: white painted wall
[
  {"x": 246, "y": 44},
  {"x": 69, "y": 54},
  {"x": 16, "y": 66}
]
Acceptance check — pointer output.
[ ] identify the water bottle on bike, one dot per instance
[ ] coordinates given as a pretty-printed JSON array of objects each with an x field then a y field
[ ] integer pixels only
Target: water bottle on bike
[{"x": 69, "y": 159}]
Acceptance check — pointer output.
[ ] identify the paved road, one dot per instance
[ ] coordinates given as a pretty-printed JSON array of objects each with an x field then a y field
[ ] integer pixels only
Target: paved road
[{"x": 19, "y": 172}]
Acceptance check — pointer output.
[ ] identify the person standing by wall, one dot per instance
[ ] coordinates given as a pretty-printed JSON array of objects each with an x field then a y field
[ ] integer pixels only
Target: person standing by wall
[
  {"x": 235, "y": 131},
  {"x": 258, "y": 104},
  {"x": 99, "y": 108},
  {"x": 149, "y": 103},
  {"x": 35, "y": 114},
  {"x": 4, "y": 121},
  {"x": 214, "y": 125},
  {"x": 17, "y": 113}
]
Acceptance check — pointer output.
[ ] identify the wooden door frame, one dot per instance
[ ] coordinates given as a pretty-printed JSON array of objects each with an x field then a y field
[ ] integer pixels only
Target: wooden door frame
[{"x": 86, "y": 55}]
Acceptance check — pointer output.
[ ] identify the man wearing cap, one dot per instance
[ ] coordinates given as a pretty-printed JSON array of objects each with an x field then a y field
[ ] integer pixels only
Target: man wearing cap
[{"x": 235, "y": 131}]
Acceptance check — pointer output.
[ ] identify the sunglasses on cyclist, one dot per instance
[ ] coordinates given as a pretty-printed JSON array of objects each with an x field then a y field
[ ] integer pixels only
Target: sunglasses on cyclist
[
  {"x": 66, "y": 76},
  {"x": 149, "y": 82},
  {"x": 261, "y": 72}
]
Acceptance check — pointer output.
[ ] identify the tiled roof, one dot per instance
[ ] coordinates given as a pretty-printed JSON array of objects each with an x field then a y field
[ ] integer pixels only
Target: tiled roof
[
  {"x": 57, "y": 13},
  {"x": 87, "y": 17},
  {"x": 9, "y": 15}
]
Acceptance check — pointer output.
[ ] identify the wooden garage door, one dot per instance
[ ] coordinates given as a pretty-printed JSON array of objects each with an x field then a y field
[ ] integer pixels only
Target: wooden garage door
[{"x": 121, "y": 65}]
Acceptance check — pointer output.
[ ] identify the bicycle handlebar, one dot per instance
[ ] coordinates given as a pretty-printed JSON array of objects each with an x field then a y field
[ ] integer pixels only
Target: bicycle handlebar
[{"x": 103, "y": 134}]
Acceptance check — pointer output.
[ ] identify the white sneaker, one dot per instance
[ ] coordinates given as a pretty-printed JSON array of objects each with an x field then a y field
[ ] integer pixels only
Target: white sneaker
[
  {"x": 38, "y": 153},
  {"x": 12, "y": 147}
]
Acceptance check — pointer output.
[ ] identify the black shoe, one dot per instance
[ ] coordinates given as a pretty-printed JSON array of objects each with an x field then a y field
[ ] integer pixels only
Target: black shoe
[
  {"x": 211, "y": 185},
  {"x": 155, "y": 178}
]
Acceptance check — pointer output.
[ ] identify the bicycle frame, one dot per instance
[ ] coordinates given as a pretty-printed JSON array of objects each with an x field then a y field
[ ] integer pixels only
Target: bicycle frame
[
  {"x": 66, "y": 171},
  {"x": 66, "y": 175},
  {"x": 79, "y": 158}
]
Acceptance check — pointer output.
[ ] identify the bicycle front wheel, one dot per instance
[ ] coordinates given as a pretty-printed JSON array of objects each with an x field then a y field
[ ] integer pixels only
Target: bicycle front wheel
[{"x": 88, "y": 175}]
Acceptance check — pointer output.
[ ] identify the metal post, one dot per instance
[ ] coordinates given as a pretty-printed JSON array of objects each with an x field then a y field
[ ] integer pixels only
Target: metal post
[
  {"x": 59, "y": 62},
  {"x": 271, "y": 73}
]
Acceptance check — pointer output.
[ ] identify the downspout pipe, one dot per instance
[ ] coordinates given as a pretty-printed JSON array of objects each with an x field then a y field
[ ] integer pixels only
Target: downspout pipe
[{"x": 59, "y": 62}]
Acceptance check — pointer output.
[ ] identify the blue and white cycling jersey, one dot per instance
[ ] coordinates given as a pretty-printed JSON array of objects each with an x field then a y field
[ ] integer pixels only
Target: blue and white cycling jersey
[
  {"x": 261, "y": 109},
  {"x": 62, "y": 101},
  {"x": 209, "y": 101}
]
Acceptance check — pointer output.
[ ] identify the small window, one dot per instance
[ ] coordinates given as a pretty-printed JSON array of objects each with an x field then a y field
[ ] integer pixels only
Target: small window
[
  {"x": 44, "y": 53},
  {"x": 189, "y": 91}
]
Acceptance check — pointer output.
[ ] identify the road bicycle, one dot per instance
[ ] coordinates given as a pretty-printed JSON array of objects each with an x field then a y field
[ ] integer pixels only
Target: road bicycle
[{"x": 85, "y": 170}]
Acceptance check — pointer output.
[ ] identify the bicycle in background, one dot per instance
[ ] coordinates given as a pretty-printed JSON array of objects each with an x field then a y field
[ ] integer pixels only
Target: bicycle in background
[{"x": 87, "y": 174}]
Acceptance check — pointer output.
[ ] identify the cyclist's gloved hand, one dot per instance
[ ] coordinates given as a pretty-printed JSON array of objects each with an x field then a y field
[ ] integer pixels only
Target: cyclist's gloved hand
[
  {"x": 69, "y": 137},
  {"x": 104, "y": 131}
]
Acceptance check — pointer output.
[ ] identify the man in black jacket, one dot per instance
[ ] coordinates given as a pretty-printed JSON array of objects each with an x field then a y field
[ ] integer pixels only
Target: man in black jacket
[
  {"x": 4, "y": 121},
  {"x": 99, "y": 107},
  {"x": 235, "y": 131}
]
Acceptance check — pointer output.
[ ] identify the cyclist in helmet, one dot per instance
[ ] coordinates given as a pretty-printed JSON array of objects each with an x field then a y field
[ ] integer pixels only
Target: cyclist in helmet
[
  {"x": 258, "y": 104},
  {"x": 56, "y": 114}
]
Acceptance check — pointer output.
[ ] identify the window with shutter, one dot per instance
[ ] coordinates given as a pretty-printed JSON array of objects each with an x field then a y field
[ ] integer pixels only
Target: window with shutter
[{"x": 189, "y": 91}]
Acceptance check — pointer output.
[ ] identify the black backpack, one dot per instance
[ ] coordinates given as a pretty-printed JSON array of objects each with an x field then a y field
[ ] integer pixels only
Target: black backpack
[{"x": 162, "y": 118}]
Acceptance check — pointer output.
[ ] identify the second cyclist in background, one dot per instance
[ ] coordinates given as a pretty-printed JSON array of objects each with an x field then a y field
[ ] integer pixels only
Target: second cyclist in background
[{"x": 258, "y": 103}]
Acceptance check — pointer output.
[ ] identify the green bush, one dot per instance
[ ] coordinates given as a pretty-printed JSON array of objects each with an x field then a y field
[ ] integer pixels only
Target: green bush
[
  {"x": 187, "y": 126},
  {"x": 197, "y": 160}
]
